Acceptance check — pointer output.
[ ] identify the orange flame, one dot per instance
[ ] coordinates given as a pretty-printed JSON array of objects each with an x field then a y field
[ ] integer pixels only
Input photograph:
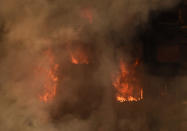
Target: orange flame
[
  {"x": 74, "y": 60},
  {"x": 126, "y": 86},
  {"x": 51, "y": 79}
]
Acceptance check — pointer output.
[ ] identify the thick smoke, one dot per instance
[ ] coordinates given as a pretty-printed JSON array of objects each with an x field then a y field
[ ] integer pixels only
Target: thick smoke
[{"x": 30, "y": 27}]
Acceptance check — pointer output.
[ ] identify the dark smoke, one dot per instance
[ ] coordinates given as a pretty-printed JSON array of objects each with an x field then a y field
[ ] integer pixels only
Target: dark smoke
[{"x": 86, "y": 102}]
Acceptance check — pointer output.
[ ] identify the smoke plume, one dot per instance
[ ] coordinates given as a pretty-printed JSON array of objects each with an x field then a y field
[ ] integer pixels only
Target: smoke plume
[{"x": 29, "y": 28}]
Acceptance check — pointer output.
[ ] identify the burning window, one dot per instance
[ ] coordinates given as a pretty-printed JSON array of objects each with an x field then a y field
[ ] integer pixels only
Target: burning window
[
  {"x": 78, "y": 56},
  {"x": 126, "y": 84},
  {"x": 49, "y": 70}
]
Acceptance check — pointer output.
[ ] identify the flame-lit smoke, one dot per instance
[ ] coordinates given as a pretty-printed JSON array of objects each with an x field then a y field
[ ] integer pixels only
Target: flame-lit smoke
[
  {"x": 126, "y": 84},
  {"x": 79, "y": 57},
  {"x": 87, "y": 13},
  {"x": 28, "y": 27},
  {"x": 50, "y": 82}
]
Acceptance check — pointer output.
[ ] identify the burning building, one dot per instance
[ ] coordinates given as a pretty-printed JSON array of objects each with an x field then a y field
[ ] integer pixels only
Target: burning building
[{"x": 101, "y": 65}]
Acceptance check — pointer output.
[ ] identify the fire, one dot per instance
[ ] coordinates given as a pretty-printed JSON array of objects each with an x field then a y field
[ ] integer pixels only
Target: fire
[
  {"x": 122, "y": 99},
  {"x": 79, "y": 57},
  {"x": 126, "y": 85},
  {"x": 51, "y": 79},
  {"x": 74, "y": 60}
]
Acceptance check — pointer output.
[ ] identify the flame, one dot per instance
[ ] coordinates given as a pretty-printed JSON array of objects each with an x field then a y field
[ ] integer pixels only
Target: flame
[
  {"x": 79, "y": 57},
  {"x": 51, "y": 79},
  {"x": 123, "y": 99},
  {"x": 126, "y": 85},
  {"x": 74, "y": 60}
]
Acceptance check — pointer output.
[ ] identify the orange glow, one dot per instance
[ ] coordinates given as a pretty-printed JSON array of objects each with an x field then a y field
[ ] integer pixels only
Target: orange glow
[
  {"x": 87, "y": 14},
  {"x": 73, "y": 60},
  {"x": 126, "y": 85},
  {"x": 79, "y": 57},
  {"x": 51, "y": 79},
  {"x": 141, "y": 93},
  {"x": 136, "y": 62},
  {"x": 123, "y": 99}
]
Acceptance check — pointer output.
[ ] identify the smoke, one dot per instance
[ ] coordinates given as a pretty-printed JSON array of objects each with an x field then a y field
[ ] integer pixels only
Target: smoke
[{"x": 30, "y": 27}]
